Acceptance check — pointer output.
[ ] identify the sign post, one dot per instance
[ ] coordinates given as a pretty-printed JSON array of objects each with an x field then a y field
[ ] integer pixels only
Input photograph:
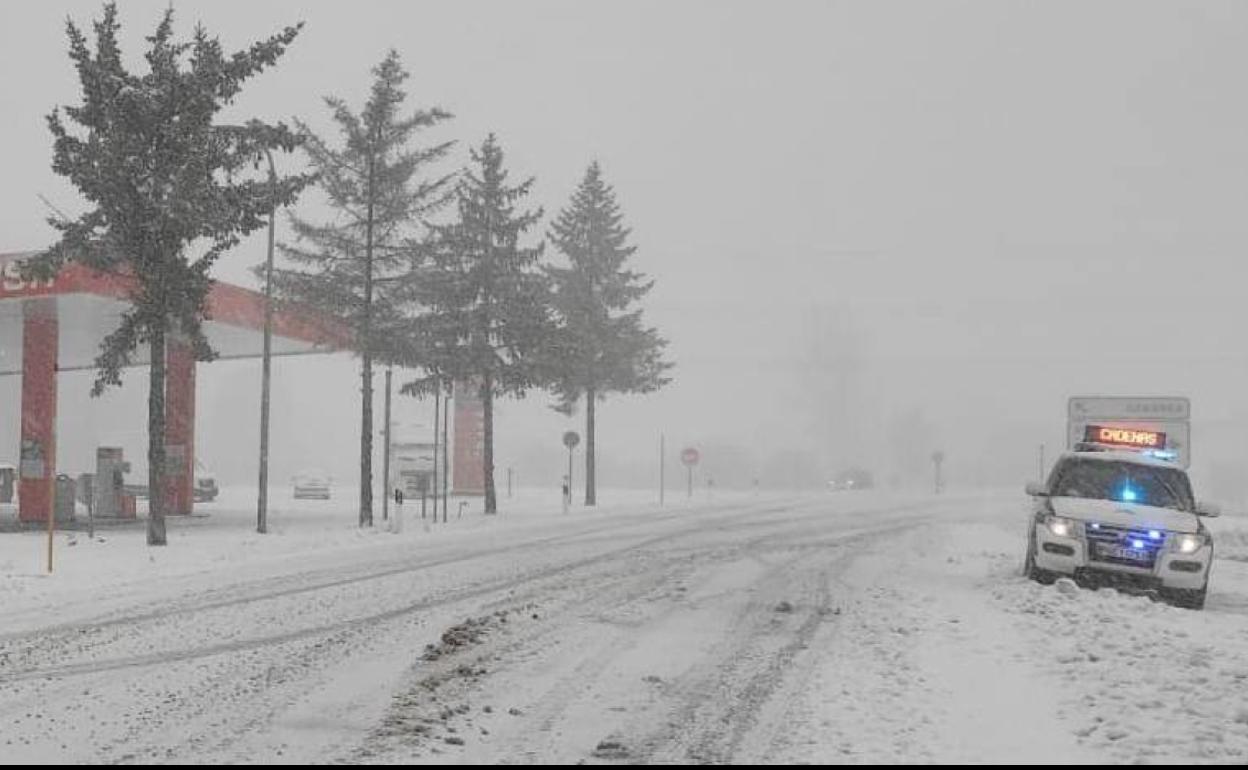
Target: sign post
[
  {"x": 570, "y": 440},
  {"x": 938, "y": 458},
  {"x": 690, "y": 457},
  {"x": 662, "y": 453},
  {"x": 51, "y": 529}
]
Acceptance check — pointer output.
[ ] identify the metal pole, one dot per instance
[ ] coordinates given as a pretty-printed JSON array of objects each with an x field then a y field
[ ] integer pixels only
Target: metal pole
[
  {"x": 385, "y": 455},
  {"x": 662, "y": 448},
  {"x": 690, "y": 495},
  {"x": 262, "y": 500},
  {"x": 437, "y": 417},
  {"x": 51, "y": 523},
  {"x": 509, "y": 482},
  {"x": 446, "y": 451},
  {"x": 1041, "y": 479},
  {"x": 569, "y": 474}
]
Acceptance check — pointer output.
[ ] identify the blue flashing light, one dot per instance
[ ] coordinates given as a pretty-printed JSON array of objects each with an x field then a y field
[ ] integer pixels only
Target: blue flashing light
[
  {"x": 1137, "y": 544},
  {"x": 1128, "y": 495},
  {"x": 1096, "y": 526},
  {"x": 1154, "y": 534}
]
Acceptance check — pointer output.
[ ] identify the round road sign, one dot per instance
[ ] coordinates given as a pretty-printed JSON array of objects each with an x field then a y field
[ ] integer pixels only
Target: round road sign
[{"x": 690, "y": 456}]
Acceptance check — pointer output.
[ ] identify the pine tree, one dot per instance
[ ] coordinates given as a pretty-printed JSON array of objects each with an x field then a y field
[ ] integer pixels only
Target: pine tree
[
  {"x": 352, "y": 267},
  {"x": 602, "y": 345},
  {"x": 161, "y": 178},
  {"x": 485, "y": 298}
]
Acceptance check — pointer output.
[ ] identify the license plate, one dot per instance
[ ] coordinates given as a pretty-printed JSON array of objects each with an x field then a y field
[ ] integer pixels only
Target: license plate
[{"x": 1128, "y": 554}]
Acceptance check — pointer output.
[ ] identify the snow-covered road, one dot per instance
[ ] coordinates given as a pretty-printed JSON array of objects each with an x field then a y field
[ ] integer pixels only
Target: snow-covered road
[{"x": 858, "y": 627}]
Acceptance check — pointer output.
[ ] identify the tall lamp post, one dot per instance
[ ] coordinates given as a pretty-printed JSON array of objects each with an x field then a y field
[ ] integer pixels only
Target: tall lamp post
[{"x": 262, "y": 501}]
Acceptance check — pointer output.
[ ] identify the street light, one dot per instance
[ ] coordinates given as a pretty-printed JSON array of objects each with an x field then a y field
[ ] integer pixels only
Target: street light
[{"x": 262, "y": 501}]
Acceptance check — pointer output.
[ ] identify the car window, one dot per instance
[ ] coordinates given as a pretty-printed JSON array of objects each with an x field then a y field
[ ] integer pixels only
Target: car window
[{"x": 1123, "y": 482}]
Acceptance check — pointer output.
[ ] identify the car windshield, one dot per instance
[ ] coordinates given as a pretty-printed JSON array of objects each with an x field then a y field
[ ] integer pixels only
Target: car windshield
[{"x": 1124, "y": 482}]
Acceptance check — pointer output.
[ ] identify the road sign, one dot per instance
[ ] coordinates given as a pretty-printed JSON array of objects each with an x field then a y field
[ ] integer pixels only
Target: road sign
[
  {"x": 1146, "y": 408},
  {"x": 571, "y": 439},
  {"x": 1168, "y": 416},
  {"x": 690, "y": 456}
]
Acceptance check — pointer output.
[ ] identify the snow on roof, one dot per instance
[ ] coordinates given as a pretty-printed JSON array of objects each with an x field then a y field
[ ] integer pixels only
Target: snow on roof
[
  {"x": 1121, "y": 456},
  {"x": 90, "y": 303}
]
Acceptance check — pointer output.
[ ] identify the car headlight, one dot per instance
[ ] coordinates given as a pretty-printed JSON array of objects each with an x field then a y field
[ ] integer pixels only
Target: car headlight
[
  {"x": 1061, "y": 527},
  {"x": 1190, "y": 543}
]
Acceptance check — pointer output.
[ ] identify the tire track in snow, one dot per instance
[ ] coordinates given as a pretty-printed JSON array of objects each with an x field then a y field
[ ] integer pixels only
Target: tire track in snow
[{"x": 72, "y": 633}]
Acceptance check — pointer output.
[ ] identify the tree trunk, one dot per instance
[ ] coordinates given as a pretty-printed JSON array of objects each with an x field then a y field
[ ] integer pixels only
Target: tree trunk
[
  {"x": 591, "y": 494},
  {"x": 487, "y": 403},
  {"x": 366, "y": 416},
  {"x": 366, "y": 445},
  {"x": 156, "y": 441}
]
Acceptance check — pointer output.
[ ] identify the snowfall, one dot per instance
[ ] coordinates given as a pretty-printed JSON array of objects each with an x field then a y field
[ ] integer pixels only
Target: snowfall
[{"x": 856, "y": 627}]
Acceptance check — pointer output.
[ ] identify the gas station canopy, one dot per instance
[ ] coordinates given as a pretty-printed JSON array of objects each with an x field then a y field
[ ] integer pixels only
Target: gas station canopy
[{"x": 88, "y": 305}]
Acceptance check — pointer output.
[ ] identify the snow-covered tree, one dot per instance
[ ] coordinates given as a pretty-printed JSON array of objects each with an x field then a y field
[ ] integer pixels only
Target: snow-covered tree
[
  {"x": 353, "y": 266},
  {"x": 602, "y": 345},
  {"x": 484, "y": 298},
  {"x": 169, "y": 192}
]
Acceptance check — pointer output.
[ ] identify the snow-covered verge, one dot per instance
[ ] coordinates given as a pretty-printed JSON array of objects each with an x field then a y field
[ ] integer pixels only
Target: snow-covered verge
[
  {"x": 950, "y": 655},
  {"x": 1148, "y": 682},
  {"x": 1230, "y": 537}
]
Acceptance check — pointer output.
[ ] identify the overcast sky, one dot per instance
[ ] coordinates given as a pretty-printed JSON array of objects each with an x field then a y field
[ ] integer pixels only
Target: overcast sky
[{"x": 860, "y": 215}]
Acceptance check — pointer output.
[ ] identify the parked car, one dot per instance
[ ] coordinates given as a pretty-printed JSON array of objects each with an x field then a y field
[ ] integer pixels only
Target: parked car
[
  {"x": 204, "y": 491},
  {"x": 311, "y": 485},
  {"x": 1123, "y": 519}
]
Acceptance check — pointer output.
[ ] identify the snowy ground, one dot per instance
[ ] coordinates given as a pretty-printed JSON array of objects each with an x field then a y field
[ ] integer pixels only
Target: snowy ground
[{"x": 855, "y": 627}]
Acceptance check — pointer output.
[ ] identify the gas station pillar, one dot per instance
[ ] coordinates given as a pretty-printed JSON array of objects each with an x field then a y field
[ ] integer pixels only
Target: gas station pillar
[{"x": 37, "y": 456}]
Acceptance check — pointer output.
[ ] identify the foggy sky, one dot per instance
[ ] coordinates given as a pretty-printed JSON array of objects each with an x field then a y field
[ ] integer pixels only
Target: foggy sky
[{"x": 983, "y": 207}]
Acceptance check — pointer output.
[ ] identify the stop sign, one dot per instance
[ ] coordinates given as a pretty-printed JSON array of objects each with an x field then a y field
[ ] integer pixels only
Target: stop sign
[
  {"x": 690, "y": 456},
  {"x": 571, "y": 439}
]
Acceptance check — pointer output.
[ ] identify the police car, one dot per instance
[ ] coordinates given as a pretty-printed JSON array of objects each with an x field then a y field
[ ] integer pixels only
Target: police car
[{"x": 1121, "y": 512}]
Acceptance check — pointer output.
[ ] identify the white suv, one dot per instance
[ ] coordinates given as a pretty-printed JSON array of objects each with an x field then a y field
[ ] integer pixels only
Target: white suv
[{"x": 1121, "y": 519}]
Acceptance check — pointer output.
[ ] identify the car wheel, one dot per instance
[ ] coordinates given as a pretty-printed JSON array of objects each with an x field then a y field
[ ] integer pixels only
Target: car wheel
[
  {"x": 1033, "y": 572},
  {"x": 1187, "y": 599}
]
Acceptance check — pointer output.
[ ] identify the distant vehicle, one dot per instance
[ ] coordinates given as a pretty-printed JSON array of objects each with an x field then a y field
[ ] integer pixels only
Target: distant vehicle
[
  {"x": 137, "y": 491},
  {"x": 311, "y": 485},
  {"x": 851, "y": 479},
  {"x": 205, "y": 490}
]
